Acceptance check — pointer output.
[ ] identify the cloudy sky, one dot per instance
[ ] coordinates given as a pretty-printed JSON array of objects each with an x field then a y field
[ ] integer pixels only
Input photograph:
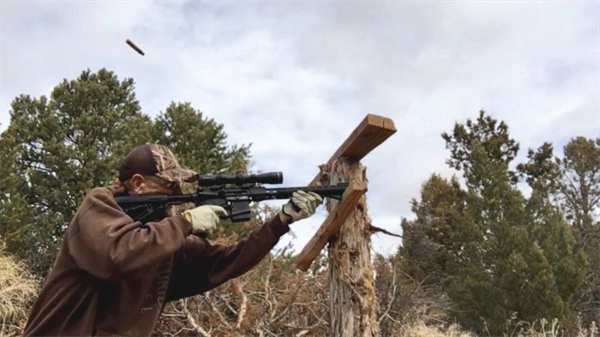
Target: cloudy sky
[{"x": 295, "y": 78}]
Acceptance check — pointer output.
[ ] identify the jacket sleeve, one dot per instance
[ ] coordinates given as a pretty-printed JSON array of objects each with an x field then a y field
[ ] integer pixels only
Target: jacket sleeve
[
  {"x": 202, "y": 265},
  {"x": 105, "y": 242}
]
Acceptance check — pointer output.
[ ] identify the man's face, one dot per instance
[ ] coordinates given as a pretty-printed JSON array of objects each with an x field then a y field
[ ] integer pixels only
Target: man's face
[{"x": 147, "y": 185}]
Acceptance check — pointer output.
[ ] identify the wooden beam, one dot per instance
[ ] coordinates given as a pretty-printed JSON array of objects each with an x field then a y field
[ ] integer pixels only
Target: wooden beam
[
  {"x": 332, "y": 223},
  {"x": 370, "y": 133}
]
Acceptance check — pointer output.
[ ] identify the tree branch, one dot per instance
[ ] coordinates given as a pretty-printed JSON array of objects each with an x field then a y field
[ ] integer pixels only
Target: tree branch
[{"x": 374, "y": 229}]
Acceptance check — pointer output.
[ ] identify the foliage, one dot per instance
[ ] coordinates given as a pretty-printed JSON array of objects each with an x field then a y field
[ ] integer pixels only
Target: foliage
[
  {"x": 580, "y": 184},
  {"x": 199, "y": 141},
  {"x": 14, "y": 213},
  {"x": 578, "y": 194},
  {"x": 60, "y": 147},
  {"x": 200, "y": 144},
  {"x": 479, "y": 252},
  {"x": 493, "y": 251},
  {"x": 571, "y": 184}
]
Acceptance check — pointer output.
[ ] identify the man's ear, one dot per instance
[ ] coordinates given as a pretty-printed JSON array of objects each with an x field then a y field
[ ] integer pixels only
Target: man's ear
[{"x": 136, "y": 181}]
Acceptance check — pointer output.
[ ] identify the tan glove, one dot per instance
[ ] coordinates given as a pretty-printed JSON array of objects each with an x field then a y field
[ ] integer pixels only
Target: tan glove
[
  {"x": 204, "y": 218},
  {"x": 306, "y": 205}
]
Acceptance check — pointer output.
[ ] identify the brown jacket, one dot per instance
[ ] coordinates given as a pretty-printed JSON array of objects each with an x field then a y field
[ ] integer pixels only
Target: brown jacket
[{"x": 113, "y": 277}]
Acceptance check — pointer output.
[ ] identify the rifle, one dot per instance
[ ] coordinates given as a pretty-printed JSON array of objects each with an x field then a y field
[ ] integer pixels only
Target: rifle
[{"x": 236, "y": 200}]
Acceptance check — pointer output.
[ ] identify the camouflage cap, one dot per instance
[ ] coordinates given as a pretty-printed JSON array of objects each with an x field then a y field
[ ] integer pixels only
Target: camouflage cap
[{"x": 154, "y": 159}]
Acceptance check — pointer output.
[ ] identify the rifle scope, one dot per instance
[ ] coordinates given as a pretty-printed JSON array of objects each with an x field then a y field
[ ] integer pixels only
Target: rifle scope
[{"x": 240, "y": 179}]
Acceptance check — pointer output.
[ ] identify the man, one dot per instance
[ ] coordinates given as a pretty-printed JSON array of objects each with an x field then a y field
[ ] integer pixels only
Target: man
[{"x": 113, "y": 276}]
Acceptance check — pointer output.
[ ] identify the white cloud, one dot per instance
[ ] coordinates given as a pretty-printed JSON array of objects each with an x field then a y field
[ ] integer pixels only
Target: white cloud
[{"x": 295, "y": 78}]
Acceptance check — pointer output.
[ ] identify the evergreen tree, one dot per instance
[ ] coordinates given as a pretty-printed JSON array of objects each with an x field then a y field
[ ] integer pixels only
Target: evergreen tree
[
  {"x": 486, "y": 245},
  {"x": 436, "y": 240},
  {"x": 580, "y": 185},
  {"x": 199, "y": 141},
  {"x": 548, "y": 227},
  {"x": 64, "y": 145},
  {"x": 200, "y": 144},
  {"x": 578, "y": 192},
  {"x": 14, "y": 213}
]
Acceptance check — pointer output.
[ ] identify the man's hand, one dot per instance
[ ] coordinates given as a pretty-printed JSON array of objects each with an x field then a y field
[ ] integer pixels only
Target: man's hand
[
  {"x": 204, "y": 218},
  {"x": 301, "y": 206}
]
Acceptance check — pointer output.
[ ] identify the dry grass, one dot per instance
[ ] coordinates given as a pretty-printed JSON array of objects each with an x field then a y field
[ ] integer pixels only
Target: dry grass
[
  {"x": 545, "y": 328},
  {"x": 541, "y": 328},
  {"x": 17, "y": 289},
  {"x": 420, "y": 329}
]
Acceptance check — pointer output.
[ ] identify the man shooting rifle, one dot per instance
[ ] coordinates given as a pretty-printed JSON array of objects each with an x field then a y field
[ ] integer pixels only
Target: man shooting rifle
[{"x": 113, "y": 275}]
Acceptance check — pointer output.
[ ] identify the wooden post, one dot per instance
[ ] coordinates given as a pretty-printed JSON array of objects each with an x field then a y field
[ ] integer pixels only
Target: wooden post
[
  {"x": 370, "y": 133},
  {"x": 353, "y": 302}
]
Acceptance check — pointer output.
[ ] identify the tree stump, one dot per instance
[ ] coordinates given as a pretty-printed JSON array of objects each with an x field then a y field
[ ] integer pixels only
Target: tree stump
[{"x": 353, "y": 302}]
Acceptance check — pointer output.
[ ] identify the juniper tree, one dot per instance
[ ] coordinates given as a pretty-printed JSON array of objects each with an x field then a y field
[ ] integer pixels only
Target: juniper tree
[
  {"x": 64, "y": 145},
  {"x": 199, "y": 141},
  {"x": 201, "y": 144},
  {"x": 578, "y": 193},
  {"x": 484, "y": 243}
]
